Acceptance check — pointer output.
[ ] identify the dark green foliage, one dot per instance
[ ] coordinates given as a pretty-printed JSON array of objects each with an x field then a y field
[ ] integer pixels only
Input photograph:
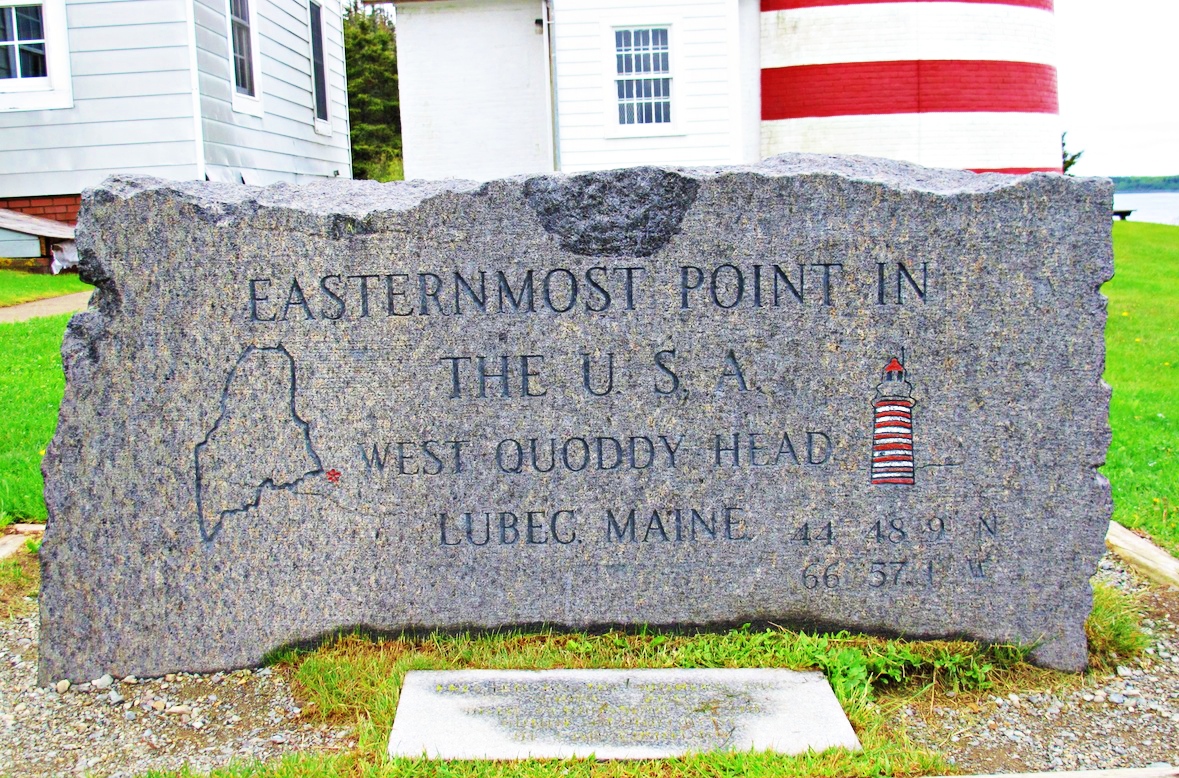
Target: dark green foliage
[
  {"x": 373, "y": 107},
  {"x": 1146, "y": 183},
  {"x": 1067, "y": 160}
]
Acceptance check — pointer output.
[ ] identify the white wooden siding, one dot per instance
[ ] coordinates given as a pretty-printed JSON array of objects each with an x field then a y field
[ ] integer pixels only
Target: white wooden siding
[
  {"x": 475, "y": 100},
  {"x": 711, "y": 109},
  {"x": 18, "y": 244},
  {"x": 132, "y": 112},
  {"x": 282, "y": 144}
]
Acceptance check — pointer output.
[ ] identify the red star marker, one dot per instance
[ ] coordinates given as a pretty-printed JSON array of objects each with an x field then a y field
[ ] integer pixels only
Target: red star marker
[{"x": 333, "y": 475}]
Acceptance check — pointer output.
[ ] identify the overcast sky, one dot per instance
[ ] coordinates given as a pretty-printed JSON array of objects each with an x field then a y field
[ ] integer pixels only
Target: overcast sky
[{"x": 1119, "y": 85}]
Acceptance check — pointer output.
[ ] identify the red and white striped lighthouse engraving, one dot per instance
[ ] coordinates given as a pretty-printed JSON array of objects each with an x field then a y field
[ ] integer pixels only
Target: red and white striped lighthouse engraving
[{"x": 892, "y": 429}]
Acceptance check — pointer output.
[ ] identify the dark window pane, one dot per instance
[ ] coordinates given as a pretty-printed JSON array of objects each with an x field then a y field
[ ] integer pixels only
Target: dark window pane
[
  {"x": 243, "y": 66},
  {"x": 32, "y": 60},
  {"x": 7, "y": 61},
  {"x": 28, "y": 23},
  {"x": 663, "y": 68},
  {"x": 667, "y": 112},
  {"x": 240, "y": 9},
  {"x": 625, "y": 39},
  {"x": 642, "y": 38},
  {"x": 6, "y": 26},
  {"x": 621, "y": 114},
  {"x": 321, "y": 106},
  {"x": 647, "y": 113},
  {"x": 661, "y": 37}
]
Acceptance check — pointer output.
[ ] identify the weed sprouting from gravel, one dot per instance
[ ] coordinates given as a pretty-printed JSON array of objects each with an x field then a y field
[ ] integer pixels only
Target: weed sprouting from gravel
[{"x": 1113, "y": 627}]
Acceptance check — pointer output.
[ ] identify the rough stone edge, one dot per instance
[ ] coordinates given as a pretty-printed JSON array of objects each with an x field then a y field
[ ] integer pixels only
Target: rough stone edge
[
  {"x": 358, "y": 198},
  {"x": 1064, "y": 652}
]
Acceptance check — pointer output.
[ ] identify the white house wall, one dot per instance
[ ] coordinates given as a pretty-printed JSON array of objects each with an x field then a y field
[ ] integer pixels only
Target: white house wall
[
  {"x": 477, "y": 105},
  {"x": 714, "y": 108},
  {"x": 132, "y": 104},
  {"x": 281, "y": 144}
]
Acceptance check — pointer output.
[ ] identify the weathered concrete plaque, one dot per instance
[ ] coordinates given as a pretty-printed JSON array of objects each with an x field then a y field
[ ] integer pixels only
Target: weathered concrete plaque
[
  {"x": 822, "y": 390},
  {"x": 615, "y": 714}
]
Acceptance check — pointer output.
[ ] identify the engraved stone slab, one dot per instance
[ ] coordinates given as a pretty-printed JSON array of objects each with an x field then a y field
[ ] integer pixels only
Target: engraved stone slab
[
  {"x": 615, "y": 714},
  {"x": 820, "y": 390}
]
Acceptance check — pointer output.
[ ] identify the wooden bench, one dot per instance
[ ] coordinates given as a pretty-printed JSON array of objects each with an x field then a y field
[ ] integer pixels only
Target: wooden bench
[{"x": 1123, "y": 214}]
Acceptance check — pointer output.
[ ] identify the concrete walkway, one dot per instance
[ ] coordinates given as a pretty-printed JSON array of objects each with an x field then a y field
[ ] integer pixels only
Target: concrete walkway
[
  {"x": 17, "y": 535},
  {"x": 51, "y": 306}
]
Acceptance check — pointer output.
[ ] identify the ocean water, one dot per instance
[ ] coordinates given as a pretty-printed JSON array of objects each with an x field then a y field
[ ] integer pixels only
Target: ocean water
[{"x": 1158, "y": 207}]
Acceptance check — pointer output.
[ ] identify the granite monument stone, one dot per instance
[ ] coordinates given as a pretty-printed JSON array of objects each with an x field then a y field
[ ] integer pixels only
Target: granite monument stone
[{"x": 818, "y": 391}]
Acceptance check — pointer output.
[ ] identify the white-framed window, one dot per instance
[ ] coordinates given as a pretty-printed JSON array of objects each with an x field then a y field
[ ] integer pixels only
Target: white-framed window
[
  {"x": 640, "y": 55},
  {"x": 320, "y": 96},
  {"x": 245, "y": 60},
  {"x": 34, "y": 56},
  {"x": 642, "y": 68}
]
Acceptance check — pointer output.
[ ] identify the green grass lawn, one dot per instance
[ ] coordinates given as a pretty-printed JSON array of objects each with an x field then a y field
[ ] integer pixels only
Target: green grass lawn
[
  {"x": 18, "y": 286},
  {"x": 1142, "y": 366},
  {"x": 30, "y": 393}
]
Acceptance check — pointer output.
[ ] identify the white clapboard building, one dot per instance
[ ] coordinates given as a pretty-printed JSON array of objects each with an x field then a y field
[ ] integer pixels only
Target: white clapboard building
[
  {"x": 225, "y": 90},
  {"x": 497, "y": 87}
]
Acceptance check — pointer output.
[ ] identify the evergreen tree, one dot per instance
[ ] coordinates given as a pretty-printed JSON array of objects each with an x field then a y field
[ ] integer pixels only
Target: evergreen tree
[{"x": 373, "y": 108}]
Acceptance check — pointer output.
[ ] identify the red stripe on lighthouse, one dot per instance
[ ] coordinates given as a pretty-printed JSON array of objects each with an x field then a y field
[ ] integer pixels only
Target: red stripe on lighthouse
[
  {"x": 789, "y": 5},
  {"x": 913, "y": 86}
]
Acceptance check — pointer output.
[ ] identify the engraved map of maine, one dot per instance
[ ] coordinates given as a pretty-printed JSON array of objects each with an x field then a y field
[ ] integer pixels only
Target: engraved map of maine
[
  {"x": 258, "y": 442},
  {"x": 817, "y": 391}
]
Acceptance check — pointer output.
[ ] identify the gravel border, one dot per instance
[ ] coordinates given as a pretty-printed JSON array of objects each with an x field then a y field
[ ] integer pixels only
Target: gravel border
[
  {"x": 1129, "y": 718},
  {"x": 124, "y": 727}
]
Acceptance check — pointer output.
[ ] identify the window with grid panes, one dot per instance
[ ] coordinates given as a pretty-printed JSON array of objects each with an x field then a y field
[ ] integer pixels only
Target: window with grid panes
[
  {"x": 643, "y": 78},
  {"x": 22, "y": 42},
  {"x": 243, "y": 55}
]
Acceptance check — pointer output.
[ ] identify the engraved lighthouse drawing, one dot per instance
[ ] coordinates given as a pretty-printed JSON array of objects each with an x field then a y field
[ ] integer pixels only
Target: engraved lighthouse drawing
[{"x": 892, "y": 427}]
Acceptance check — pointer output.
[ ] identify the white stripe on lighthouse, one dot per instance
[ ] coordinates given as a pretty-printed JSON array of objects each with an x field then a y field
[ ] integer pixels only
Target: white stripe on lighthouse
[
  {"x": 905, "y": 31},
  {"x": 974, "y": 141}
]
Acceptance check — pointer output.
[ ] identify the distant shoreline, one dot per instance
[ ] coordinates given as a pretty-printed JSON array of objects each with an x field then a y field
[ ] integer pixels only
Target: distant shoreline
[{"x": 1145, "y": 184}]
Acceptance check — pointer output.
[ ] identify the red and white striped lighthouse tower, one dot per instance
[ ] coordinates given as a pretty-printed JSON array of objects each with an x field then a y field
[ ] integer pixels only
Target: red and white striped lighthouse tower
[
  {"x": 964, "y": 84},
  {"x": 892, "y": 428}
]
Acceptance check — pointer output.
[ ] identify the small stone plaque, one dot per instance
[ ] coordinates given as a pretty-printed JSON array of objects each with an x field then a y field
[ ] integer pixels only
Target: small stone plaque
[{"x": 615, "y": 714}]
